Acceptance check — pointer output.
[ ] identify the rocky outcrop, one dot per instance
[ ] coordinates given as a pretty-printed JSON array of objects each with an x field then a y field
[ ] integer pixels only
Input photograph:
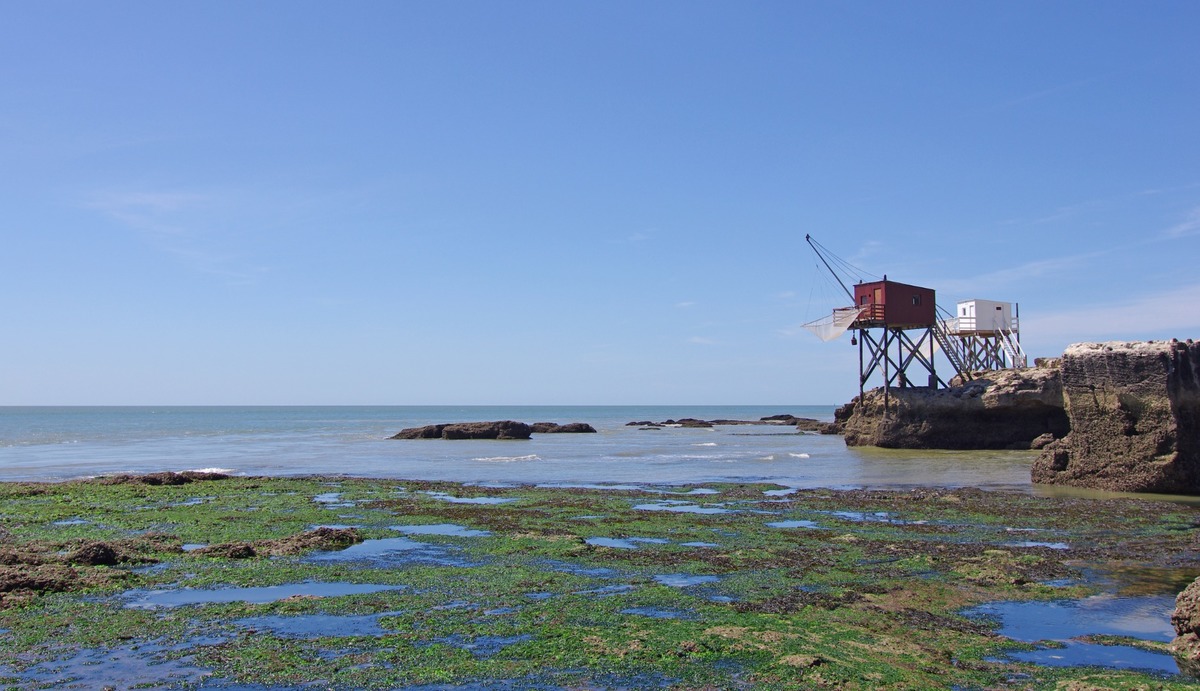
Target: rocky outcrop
[
  {"x": 569, "y": 428},
  {"x": 802, "y": 424},
  {"x": 1005, "y": 409},
  {"x": 1134, "y": 412},
  {"x": 1186, "y": 620},
  {"x": 502, "y": 429}
]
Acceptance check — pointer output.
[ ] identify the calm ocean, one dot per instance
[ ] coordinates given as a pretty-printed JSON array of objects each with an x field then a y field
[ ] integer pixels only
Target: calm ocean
[{"x": 49, "y": 443}]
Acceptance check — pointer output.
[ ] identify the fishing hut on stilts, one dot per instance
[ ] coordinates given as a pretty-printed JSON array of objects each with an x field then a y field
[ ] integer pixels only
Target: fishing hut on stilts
[{"x": 899, "y": 329}]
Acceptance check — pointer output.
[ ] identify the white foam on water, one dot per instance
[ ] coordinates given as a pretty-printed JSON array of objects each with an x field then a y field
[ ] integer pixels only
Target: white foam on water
[
  {"x": 508, "y": 459},
  {"x": 799, "y": 455}
]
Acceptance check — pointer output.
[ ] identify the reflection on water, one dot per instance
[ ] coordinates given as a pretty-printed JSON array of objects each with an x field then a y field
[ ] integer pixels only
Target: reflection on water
[
  {"x": 149, "y": 599},
  {"x": 624, "y": 543},
  {"x": 317, "y": 625},
  {"x": 1066, "y": 621},
  {"x": 447, "y": 529}
]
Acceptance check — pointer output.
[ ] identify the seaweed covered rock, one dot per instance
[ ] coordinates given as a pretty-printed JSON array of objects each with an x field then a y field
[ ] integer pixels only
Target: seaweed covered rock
[
  {"x": 1004, "y": 409},
  {"x": 323, "y": 538},
  {"x": 163, "y": 478},
  {"x": 1134, "y": 412},
  {"x": 94, "y": 554},
  {"x": 228, "y": 550}
]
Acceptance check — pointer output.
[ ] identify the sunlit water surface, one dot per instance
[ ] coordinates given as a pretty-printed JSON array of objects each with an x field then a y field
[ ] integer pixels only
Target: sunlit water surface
[{"x": 61, "y": 443}]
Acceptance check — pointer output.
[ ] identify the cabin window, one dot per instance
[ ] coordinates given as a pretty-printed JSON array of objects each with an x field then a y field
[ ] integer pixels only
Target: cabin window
[
  {"x": 964, "y": 312},
  {"x": 916, "y": 300},
  {"x": 864, "y": 299},
  {"x": 998, "y": 308}
]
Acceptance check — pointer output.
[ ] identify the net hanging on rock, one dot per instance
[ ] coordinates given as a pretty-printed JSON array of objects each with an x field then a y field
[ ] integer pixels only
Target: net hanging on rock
[{"x": 836, "y": 324}]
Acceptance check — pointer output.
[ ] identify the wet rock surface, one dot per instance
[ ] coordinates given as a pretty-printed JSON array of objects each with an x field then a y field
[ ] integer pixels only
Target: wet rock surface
[{"x": 1134, "y": 412}]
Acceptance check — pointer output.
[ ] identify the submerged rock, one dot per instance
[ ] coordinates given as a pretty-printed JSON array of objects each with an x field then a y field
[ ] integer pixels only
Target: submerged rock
[
  {"x": 1005, "y": 409},
  {"x": 1134, "y": 412}
]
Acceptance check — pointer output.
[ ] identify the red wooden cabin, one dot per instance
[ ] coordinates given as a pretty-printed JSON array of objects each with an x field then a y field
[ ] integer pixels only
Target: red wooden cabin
[{"x": 894, "y": 305}]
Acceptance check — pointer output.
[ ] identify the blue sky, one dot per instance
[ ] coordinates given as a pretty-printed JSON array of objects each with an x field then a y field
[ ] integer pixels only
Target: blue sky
[{"x": 571, "y": 202}]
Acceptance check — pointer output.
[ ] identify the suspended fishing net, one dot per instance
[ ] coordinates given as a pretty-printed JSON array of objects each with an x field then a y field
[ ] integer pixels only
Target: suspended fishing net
[{"x": 836, "y": 324}]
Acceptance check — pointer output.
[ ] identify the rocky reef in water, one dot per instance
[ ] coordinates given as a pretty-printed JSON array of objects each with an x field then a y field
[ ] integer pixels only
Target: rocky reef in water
[
  {"x": 1134, "y": 410},
  {"x": 802, "y": 424},
  {"x": 497, "y": 429},
  {"x": 1005, "y": 409}
]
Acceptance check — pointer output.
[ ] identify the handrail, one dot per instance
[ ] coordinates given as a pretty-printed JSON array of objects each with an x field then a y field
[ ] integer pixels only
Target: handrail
[{"x": 950, "y": 349}]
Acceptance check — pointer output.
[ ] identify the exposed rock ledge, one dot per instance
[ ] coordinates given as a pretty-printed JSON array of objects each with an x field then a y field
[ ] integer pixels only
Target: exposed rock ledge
[
  {"x": 1134, "y": 410},
  {"x": 1006, "y": 409}
]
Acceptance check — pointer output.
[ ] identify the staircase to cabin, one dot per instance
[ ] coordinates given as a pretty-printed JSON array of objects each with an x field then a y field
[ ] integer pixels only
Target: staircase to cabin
[
  {"x": 1012, "y": 348},
  {"x": 950, "y": 348}
]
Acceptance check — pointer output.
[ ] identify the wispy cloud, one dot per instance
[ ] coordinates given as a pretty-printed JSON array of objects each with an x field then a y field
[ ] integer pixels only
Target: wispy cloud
[
  {"x": 172, "y": 223},
  {"x": 1147, "y": 316},
  {"x": 685, "y": 304},
  {"x": 1189, "y": 226},
  {"x": 701, "y": 340},
  {"x": 147, "y": 212},
  {"x": 1050, "y": 91},
  {"x": 1017, "y": 275}
]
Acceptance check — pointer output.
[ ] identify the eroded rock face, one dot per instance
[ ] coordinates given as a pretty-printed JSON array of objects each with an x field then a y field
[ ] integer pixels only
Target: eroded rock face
[
  {"x": 1186, "y": 620},
  {"x": 1134, "y": 412},
  {"x": 1005, "y": 409}
]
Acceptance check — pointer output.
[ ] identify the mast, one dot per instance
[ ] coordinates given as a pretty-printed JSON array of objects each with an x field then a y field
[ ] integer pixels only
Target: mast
[{"x": 812, "y": 244}]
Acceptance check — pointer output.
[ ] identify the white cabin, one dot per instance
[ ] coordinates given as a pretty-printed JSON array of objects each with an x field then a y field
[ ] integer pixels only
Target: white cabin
[{"x": 984, "y": 316}]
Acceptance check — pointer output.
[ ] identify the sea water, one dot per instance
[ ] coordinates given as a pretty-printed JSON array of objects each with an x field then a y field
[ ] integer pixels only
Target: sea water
[{"x": 56, "y": 443}]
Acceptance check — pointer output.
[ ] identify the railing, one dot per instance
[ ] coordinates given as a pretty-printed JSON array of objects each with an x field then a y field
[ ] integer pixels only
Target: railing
[
  {"x": 872, "y": 312},
  {"x": 993, "y": 325},
  {"x": 1012, "y": 347},
  {"x": 950, "y": 348}
]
